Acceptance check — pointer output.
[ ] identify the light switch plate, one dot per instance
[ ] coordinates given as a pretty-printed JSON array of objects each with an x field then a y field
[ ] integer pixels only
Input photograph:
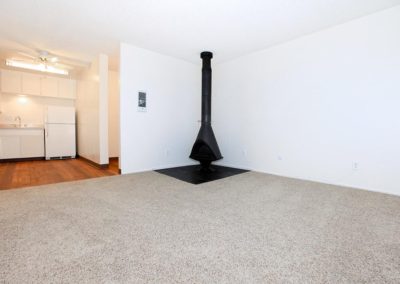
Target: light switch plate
[{"x": 142, "y": 101}]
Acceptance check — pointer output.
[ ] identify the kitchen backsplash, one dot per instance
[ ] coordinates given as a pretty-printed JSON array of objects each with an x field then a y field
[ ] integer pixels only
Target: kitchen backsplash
[{"x": 29, "y": 108}]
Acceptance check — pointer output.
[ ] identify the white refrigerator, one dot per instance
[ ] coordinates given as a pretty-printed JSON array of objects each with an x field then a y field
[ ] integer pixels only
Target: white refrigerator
[{"x": 60, "y": 135}]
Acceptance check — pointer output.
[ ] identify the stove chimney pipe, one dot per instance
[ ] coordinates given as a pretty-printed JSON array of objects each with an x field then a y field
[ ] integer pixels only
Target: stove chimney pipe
[{"x": 206, "y": 87}]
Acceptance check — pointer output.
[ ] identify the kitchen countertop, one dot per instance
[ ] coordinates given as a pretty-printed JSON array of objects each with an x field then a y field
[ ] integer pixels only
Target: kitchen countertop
[{"x": 21, "y": 126}]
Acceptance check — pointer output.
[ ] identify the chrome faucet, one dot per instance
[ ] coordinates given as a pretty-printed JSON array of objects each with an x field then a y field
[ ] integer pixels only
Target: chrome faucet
[{"x": 19, "y": 120}]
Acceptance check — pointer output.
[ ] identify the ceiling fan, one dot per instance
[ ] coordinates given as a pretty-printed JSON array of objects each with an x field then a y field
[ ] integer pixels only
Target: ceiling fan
[
  {"x": 45, "y": 58},
  {"x": 30, "y": 56},
  {"x": 42, "y": 60}
]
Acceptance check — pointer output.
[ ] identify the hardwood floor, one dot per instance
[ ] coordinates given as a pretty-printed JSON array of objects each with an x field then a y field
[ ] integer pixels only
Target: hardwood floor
[{"x": 31, "y": 173}]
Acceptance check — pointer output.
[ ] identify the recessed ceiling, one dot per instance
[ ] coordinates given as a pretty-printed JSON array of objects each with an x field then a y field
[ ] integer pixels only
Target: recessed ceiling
[{"x": 180, "y": 28}]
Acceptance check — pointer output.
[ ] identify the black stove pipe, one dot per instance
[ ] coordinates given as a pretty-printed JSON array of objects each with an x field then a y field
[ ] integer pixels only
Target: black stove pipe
[{"x": 206, "y": 87}]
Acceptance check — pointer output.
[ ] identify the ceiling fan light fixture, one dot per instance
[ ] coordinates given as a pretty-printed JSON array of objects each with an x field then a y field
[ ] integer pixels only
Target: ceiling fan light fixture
[{"x": 36, "y": 67}]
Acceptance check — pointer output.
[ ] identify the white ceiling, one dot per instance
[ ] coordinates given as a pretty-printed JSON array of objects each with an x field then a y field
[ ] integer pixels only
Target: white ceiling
[{"x": 182, "y": 28}]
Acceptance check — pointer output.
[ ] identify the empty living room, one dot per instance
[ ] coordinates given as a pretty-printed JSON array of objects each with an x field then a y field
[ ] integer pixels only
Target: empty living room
[{"x": 200, "y": 141}]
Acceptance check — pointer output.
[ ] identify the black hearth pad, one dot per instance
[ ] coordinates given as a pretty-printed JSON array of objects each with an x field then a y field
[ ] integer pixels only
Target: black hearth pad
[{"x": 194, "y": 175}]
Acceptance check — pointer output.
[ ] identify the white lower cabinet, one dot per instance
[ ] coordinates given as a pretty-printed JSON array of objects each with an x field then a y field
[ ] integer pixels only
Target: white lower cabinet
[
  {"x": 21, "y": 143},
  {"x": 32, "y": 146},
  {"x": 10, "y": 147}
]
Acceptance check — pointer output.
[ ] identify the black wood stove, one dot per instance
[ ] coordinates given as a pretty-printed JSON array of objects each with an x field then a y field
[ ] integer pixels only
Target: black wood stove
[{"x": 205, "y": 148}]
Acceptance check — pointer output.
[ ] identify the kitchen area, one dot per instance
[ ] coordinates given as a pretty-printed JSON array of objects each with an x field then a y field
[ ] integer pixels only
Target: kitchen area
[
  {"x": 37, "y": 116},
  {"x": 39, "y": 126}
]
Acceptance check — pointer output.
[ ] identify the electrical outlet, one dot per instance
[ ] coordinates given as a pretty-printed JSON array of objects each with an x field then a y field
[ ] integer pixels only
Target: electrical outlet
[
  {"x": 279, "y": 157},
  {"x": 355, "y": 166},
  {"x": 244, "y": 152}
]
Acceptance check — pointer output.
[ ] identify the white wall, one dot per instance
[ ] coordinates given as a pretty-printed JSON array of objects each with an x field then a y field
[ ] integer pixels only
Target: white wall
[
  {"x": 92, "y": 111},
  {"x": 313, "y": 107},
  {"x": 162, "y": 136},
  {"x": 113, "y": 114},
  {"x": 103, "y": 109},
  {"x": 29, "y": 108}
]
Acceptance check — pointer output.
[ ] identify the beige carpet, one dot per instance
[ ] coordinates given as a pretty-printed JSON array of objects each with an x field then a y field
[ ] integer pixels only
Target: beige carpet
[{"x": 150, "y": 228}]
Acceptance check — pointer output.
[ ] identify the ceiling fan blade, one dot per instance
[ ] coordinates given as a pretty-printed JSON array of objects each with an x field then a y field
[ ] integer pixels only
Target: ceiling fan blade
[
  {"x": 14, "y": 44},
  {"x": 26, "y": 54},
  {"x": 75, "y": 62},
  {"x": 53, "y": 59},
  {"x": 16, "y": 58},
  {"x": 62, "y": 66},
  {"x": 69, "y": 60}
]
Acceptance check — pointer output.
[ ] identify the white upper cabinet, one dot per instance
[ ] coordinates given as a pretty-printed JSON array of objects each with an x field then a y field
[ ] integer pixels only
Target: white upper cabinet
[
  {"x": 49, "y": 86},
  {"x": 67, "y": 88},
  {"x": 10, "y": 82},
  {"x": 24, "y": 83},
  {"x": 31, "y": 84}
]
